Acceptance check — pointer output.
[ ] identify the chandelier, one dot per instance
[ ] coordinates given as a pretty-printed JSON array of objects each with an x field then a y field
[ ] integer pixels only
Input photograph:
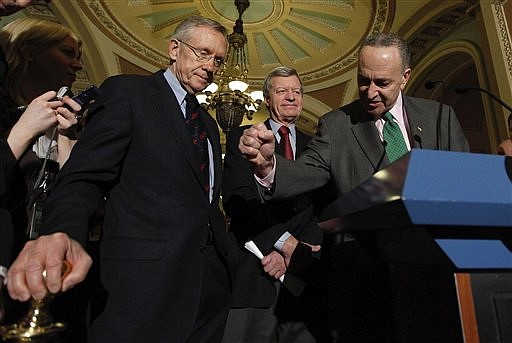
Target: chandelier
[{"x": 229, "y": 98}]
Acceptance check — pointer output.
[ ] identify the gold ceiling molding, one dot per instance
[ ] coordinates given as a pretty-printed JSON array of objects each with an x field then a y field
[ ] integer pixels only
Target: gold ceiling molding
[
  {"x": 424, "y": 39},
  {"x": 319, "y": 38},
  {"x": 42, "y": 11},
  {"x": 98, "y": 14},
  {"x": 504, "y": 35},
  {"x": 382, "y": 14}
]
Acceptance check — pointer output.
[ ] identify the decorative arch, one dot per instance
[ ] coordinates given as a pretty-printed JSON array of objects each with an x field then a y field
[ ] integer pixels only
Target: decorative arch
[{"x": 460, "y": 63}]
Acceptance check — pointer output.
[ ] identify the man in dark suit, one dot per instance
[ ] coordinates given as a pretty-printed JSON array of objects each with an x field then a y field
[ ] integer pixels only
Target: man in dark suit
[
  {"x": 166, "y": 260},
  {"x": 257, "y": 315},
  {"x": 348, "y": 148}
]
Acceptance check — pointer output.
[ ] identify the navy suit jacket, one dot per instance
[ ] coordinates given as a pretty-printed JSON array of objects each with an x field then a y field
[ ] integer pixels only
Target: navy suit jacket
[
  {"x": 137, "y": 152},
  {"x": 7, "y": 165},
  {"x": 263, "y": 223}
]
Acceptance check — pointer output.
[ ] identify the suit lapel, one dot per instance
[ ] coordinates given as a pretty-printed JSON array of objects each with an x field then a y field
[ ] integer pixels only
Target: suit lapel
[
  {"x": 367, "y": 137},
  {"x": 212, "y": 131},
  {"x": 302, "y": 140},
  {"x": 421, "y": 126},
  {"x": 170, "y": 112}
]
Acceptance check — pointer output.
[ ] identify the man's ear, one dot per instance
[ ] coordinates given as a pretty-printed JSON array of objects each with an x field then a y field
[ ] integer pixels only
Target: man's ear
[
  {"x": 405, "y": 77},
  {"x": 173, "y": 49}
]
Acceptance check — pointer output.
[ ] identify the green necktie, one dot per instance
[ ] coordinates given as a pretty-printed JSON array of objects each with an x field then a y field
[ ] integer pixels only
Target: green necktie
[{"x": 395, "y": 143}]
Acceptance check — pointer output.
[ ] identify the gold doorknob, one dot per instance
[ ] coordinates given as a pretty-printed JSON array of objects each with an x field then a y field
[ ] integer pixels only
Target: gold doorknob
[{"x": 37, "y": 325}]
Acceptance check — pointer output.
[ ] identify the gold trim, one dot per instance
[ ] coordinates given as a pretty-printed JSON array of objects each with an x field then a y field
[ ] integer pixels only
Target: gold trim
[{"x": 504, "y": 35}]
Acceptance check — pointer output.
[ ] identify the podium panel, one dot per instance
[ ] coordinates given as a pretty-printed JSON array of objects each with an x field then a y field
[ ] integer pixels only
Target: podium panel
[
  {"x": 431, "y": 214},
  {"x": 462, "y": 201}
]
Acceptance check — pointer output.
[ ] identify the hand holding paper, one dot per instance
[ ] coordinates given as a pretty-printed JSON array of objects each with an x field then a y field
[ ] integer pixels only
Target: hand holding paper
[{"x": 251, "y": 246}]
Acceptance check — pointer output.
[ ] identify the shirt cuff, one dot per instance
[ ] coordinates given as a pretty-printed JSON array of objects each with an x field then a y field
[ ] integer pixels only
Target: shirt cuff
[
  {"x": 3, "y": 272},
  {"x": 280, "y": 242},
  {"x": 268, "y": 180}
]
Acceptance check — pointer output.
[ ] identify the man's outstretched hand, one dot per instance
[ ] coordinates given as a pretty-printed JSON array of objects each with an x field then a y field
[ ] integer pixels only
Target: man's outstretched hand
[
  {"x": 25, "y": 278},
  {"x": 257, "y": 145}
]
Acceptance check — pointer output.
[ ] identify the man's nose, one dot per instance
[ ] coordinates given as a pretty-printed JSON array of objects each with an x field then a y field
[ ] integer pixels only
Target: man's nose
[
  {"x": 290, "y": 95},
  {"x": 372, "y": 91},
  {"x": 210, "y": 65}
]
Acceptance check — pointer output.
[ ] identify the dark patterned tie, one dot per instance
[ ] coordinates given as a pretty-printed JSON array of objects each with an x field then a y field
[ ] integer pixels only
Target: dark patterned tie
[
  {"x": 284, "y": 132},
  {"x": 395, "y": 143},
  {"x": 199, "y": 136}
]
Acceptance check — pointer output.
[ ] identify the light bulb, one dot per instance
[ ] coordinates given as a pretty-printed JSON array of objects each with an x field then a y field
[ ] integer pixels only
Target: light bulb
[
  {"x": 201, "y": 98},
  {"x": 257, "y": 95},
  {"x": 238, "y": 86},
  {"x": 211, "y": 88}
]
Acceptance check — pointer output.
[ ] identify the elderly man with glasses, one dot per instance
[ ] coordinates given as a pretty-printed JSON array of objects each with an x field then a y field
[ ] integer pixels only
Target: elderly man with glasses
[{"x": 166, "y": 259}]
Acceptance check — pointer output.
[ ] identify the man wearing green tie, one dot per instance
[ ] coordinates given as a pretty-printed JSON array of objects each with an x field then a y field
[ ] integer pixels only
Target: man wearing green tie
[{"x": 352, "y": 143}]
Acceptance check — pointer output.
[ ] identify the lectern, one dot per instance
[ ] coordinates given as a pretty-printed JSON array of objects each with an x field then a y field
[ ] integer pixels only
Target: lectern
[{"x": 434, "y": 208}]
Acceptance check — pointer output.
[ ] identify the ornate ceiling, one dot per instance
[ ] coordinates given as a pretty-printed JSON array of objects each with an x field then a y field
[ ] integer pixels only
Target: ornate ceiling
[{"x": 319, "y": 38}]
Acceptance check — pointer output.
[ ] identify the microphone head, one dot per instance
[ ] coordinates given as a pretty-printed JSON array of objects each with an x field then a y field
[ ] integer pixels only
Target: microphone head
[{"x": 431, "y": 84}]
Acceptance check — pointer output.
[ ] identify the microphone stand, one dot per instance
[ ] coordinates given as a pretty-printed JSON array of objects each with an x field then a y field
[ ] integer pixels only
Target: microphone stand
[
  {"x": 464, "y": 90},
  {"x": 429, "y": 85},
  {"x": 439, "y": 115}
]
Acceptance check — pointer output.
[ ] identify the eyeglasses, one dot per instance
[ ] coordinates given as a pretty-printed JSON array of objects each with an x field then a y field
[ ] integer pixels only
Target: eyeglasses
[{"x": 202, "y": 56}]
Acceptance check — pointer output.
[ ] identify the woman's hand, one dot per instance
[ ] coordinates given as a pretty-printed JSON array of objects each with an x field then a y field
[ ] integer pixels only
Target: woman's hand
[
  {"x": 67, "y": 119},
  {"x": 41, "y": 114}
]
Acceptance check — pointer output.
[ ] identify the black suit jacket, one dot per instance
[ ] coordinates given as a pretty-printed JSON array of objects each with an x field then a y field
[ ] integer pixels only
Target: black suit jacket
[
  {"x": 137, "y": 152},
  {"x": 263, "y": 223},
  {"x": 7, "y": 165}
]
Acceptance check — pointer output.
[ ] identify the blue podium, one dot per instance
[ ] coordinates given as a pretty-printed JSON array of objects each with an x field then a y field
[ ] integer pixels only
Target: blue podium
[
  {"x": 432, "y": 214},
  {"x": 462, "y": 201}
]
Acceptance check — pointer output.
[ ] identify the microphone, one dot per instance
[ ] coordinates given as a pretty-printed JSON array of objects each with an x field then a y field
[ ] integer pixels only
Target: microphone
[
  {"x": 431, "y": 83},
  {"x": 381, "y": 159},
  {"x": 464, "y": 90},
  {"x": 417, "y": 138}
]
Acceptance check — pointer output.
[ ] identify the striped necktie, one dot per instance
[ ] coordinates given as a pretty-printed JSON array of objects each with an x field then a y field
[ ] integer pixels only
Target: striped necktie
[{"x": 199, "y": 137}]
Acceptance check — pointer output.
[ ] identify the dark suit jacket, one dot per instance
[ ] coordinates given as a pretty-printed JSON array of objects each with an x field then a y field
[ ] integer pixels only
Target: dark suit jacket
[
  {"x": 7, "y": 163},
  {"x": 263, "y": 223},
  {"x": 347, "y": 149},
  {"x": 13, "y": 186},
  {"x": 137, "y": 151}
]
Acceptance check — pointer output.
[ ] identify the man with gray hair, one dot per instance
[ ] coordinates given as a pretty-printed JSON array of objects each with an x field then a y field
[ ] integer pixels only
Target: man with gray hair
[
  {"x": 264, "y": 310},
  {"x": 166, "y": 259},
  {"x": 351, "y": 144}
]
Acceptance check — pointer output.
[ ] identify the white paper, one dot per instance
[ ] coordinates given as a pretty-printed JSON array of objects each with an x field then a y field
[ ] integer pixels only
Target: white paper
[{"x": 251, "y": 246}]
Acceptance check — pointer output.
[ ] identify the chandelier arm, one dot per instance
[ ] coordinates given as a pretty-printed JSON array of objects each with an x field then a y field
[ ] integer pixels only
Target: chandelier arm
[{"x": 231, "y": 106}]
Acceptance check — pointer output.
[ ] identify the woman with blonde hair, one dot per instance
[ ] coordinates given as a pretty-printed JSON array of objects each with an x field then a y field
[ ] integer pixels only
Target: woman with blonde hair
[
  {"x": 41, "y": 56},
  {"x": 36, "y": 131}
]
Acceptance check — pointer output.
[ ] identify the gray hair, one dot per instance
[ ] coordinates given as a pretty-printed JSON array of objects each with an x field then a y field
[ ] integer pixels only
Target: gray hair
[
  {"x": 185, "y": 30},
  {"x": 279, "y": 71},
  {"x": 389, "y": 39}
]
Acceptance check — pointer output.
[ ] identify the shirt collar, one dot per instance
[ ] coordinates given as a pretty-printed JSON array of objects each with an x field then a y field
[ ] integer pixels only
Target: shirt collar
[
  {"x": 275, "y": 127},
  {"x": 176, "y": 87},
  {"x": 397, "y": 110}
]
